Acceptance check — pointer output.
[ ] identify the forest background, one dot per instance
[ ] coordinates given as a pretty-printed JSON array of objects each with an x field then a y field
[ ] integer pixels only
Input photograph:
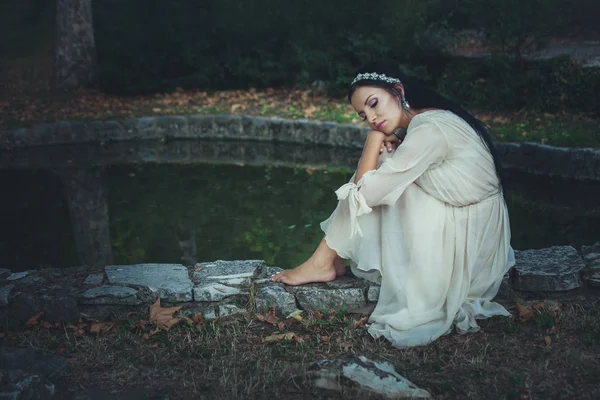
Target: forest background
[{"x": 295, "y": 59}]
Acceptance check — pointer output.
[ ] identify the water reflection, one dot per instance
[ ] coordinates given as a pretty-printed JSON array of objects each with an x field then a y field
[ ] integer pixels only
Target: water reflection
[
  {"x": 85, "y": 190},
  {"x": 182, "y": 207}
]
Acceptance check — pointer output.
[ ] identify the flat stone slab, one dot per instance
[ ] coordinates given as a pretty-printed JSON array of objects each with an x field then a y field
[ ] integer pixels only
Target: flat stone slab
[
  {"x": 221, "y": 271},
  {"x": 216, "y": 291},
  {"x": 317, "y": 299},
  {"x": 275, "y": 296},
  {"x": 94, "y": 279},
  {"x": 369, "y": 376},
  {"x": 106, "y": 294},
  {"x": 170, "y": 281},
  {"x": 19, "y": 275},
  {"x": 4, "y": 293},
  {"x": 552, "y": 269}
]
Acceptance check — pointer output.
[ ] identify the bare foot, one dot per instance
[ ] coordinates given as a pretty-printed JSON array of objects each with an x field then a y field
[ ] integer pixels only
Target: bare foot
[
  {"x": 306, "y": 273},
  {"x": 340, "y": 268}
]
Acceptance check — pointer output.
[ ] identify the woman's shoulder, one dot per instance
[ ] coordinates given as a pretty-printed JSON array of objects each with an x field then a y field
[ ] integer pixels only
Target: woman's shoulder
[
  {"x": 437, "y": 118},
  {"x": 427, "y": 117}
]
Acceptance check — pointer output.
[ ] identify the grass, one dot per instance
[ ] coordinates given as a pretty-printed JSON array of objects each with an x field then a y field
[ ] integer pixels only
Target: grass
[
  {"x": 554, "y": 355},
  {"x": 26, "y": 99}
]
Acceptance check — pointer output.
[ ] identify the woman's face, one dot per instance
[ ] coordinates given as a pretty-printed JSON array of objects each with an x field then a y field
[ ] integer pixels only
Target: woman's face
[{"x": 379, "y": 108}]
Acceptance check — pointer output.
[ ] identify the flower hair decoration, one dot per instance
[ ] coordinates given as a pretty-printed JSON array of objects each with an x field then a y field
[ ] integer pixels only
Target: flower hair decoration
[{"x": 374, "y": 76}]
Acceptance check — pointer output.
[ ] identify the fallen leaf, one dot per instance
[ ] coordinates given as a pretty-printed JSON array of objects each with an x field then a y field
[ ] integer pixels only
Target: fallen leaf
[
  {"x": 525, "y": 312},
  {"x": 298, "y": 339},
  {"x": 297, "y": 315},
  {"x": 548, "y": 340},
  {"x": 269, "y": 317},
  {"x": 318, "y": 315},
  {"x": 163, "y": 317},
  {"x": 279, "y": 337},
  {"x": 99, "y": 328},
  {"x": 49, "y": 325},
  {"x": 322, "y": 338},
  {"x": 35, "y": 320},
  {"x": 361, "y": 322},
  {"x": 199, "y": 320},
  {"x": 281, "y": 326}
]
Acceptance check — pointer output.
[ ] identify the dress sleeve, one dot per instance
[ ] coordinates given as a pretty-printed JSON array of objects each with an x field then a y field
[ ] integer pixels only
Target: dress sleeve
[{"x": 424, "y": 147}]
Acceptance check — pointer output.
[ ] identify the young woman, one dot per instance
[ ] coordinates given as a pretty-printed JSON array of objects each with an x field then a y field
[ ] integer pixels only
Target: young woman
[{"x": 427, "y": 221}]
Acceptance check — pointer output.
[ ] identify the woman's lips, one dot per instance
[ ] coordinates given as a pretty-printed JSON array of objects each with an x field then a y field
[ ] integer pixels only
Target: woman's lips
[{"x": 380, "y": 125}]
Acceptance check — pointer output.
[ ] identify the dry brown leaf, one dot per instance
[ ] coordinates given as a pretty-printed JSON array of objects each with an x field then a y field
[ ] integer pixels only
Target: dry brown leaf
[
  {"x": 298, "y": 339},
  {"x": 361, "y": 322},
  {"x": 49, "y": 325},
  {"x": 235, "y": 107},
  {"x": 281, "y": 326},
  {"x": 99, "y": 328},
  {"x": 322, "y": 338},
  {"x": 279, "y": 337},
  {"x": 163, "y": 317},
  {"x": 525, "y": 312},
  {"x": 548, "y": 340},
  {"x": 310, "y": 111},
  {"x": 269, "y": 317},
  {"x": 318, "y": 315},
  {"x": 35, "y": 320}
]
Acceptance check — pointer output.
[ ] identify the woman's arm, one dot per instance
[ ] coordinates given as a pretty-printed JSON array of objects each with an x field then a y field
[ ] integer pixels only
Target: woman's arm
[{"x": 370, "y": 154}]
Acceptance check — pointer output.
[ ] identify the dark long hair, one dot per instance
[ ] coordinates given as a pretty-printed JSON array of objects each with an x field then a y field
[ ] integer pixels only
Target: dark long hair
[{"x": 420, "y": 96}]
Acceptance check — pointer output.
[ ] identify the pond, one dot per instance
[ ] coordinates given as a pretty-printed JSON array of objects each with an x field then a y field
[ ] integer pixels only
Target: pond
[{"x": 166, "y": 209}]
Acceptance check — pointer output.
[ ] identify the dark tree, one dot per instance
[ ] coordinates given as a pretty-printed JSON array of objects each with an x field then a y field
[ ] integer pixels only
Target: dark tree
[{"x": 75, "y": 53}]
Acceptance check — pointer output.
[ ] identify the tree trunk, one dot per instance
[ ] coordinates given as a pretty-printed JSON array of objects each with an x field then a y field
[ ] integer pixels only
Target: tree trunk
[{"x": 75, "y": 52}]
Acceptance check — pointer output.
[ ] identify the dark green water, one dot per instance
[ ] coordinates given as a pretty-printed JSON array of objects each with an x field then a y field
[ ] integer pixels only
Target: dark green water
[{"x": 159, "y": 212}]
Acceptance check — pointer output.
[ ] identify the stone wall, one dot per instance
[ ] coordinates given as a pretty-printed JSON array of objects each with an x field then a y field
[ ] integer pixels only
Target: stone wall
[
  {"x": 570, "y": 163},
  {"x": 222, "y": 288}
]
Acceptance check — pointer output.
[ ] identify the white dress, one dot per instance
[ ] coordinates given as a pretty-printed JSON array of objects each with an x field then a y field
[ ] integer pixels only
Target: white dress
[{"x": 431, "y": 225}]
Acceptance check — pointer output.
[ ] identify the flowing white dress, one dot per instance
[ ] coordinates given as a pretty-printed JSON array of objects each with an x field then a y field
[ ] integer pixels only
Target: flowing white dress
[{"x": 430, "y": 225}]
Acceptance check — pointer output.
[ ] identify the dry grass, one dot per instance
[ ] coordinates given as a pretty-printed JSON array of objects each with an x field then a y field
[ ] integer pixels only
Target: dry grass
[{"x": 556, "y": 354}]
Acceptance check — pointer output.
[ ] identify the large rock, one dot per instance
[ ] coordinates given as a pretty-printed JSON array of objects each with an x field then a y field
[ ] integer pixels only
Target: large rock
[
  {"x": 5, "y": 273},
  {"x": 317, "y": 298},
  {"x": 552, "y": 269},
  {"x": 275, "y": 296},
  {"x": 170, "y": 281},
  {"x": 57, "y": 304},
  {"x": 29, "y": 373},
  {"x": 105, "y": 294},
  {"x": 32, "y": 361},
  {"x": 367, "y": 375},
  {"x": 19, "y": 275},
  {"x": 232, "y": 272}
]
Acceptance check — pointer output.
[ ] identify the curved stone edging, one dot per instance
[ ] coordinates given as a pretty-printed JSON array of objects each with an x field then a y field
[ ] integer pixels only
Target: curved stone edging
[{"x": 569, "y": 163}]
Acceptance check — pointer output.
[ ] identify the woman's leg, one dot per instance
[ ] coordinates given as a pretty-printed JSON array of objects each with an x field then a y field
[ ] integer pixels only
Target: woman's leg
[{"x": 322, "y": 266}]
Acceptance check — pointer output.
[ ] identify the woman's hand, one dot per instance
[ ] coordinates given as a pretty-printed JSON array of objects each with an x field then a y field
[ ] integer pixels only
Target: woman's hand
[{"x": 390, "y": 143}]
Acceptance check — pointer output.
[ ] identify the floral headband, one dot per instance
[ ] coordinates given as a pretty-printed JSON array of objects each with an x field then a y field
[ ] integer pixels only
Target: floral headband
[{"x": 374, "y": 76}]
